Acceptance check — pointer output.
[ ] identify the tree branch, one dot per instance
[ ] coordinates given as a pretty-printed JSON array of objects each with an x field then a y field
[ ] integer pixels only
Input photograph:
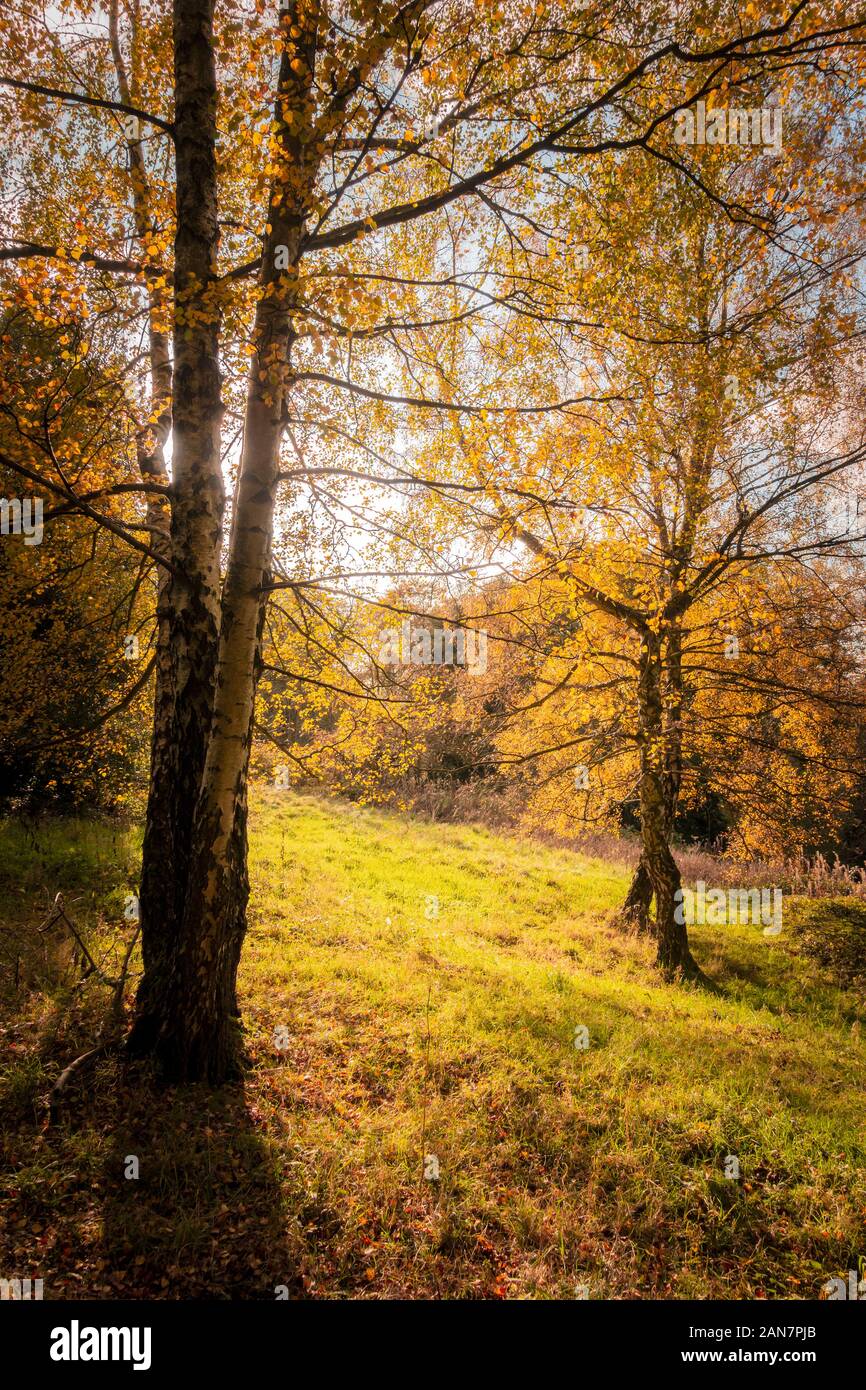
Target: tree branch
[{"x": 85, "y": 100}]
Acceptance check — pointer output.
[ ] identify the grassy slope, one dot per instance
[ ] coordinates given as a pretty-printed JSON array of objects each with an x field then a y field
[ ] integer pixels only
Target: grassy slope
[{"x": 413, "y": 1031}]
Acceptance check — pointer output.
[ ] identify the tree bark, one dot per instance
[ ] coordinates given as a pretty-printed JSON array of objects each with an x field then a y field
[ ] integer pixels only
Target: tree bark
[
  {"x": 674, "y": 956},
  {"x": 638, "y": 899},
  {"x": 636, "y": 908},
  {"x": 192, "y": 599}
]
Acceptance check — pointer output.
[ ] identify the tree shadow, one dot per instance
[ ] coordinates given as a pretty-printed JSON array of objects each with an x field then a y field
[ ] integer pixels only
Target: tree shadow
[
  {"x": 192, "y": 1206},
  {"x": 751, "y": 972},
  {"x": 698, "y": 979}
]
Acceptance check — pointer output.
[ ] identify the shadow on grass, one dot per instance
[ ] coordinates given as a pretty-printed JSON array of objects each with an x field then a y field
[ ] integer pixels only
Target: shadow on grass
[{"x": 203, "y": 1217}]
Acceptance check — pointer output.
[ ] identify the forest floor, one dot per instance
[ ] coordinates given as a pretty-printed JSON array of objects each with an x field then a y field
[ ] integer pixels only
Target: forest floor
[{"x": 415, "y": 996}]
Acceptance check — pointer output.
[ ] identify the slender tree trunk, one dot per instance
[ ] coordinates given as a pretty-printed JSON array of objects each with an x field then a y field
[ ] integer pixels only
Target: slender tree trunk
[
  {"x": 199, "y": 1034},
  {"x": 636, "y": 908},
  {"x": 152, "y": 465},
  {"x": 192, "y": 599},
  {"x": 674, "y": 956},
  {"x": 151, "y": 443}
]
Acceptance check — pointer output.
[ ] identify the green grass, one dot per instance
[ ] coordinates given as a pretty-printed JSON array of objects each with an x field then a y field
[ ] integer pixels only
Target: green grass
[{"x": 449, "y": 1029}]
